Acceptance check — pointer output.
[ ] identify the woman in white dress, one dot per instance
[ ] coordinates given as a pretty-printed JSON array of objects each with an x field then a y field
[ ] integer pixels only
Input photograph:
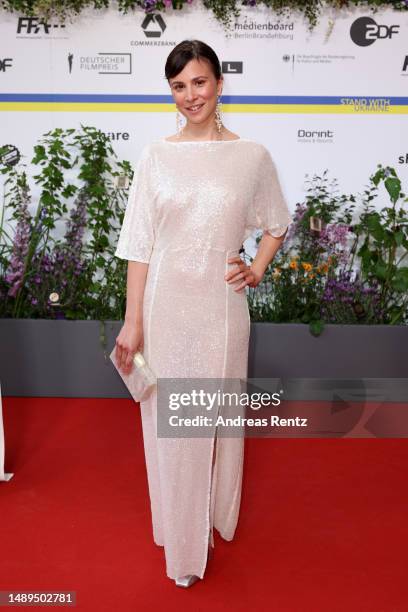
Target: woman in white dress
[{"x": 195, "y": 197}]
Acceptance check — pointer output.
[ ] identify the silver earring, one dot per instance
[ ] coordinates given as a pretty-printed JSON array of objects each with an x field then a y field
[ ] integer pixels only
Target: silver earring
[
  {"x": 218, "y": 117},
  {"x": 179, "y": 124}
]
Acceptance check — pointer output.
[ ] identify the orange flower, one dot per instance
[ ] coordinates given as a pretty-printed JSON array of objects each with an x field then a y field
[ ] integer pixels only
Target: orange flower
[
  {"x": 293, "y": 265},
  {"x": 307, "y": 266}
]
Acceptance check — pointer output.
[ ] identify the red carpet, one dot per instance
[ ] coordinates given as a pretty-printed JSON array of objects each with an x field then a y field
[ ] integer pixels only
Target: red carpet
[{"x": 323, "y": 523}]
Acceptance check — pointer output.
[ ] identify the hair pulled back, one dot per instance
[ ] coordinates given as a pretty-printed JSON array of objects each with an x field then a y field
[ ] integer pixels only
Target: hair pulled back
[{"x": 188, "y": 50}]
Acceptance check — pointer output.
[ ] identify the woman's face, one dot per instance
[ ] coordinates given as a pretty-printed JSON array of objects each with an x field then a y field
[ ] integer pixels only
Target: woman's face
[{"x": 195, "y": 91}]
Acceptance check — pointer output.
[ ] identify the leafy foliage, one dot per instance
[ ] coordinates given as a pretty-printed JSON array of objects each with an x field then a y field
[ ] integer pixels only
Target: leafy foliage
[
  {"x": 225, "y": 11},
  {"x": 336, "y": 265},
  {"x": 333, "y": 270},
  {"x": 77, "y": 179}
]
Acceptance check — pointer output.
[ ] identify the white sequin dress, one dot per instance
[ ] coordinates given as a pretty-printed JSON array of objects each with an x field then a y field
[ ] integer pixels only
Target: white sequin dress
[{"x": 191, "y": 206}]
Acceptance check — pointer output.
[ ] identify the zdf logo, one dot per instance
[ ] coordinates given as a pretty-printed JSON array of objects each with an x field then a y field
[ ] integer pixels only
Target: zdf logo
[
  {"x": 364, "y": 31},
  {"x": 5, "y": 63}
]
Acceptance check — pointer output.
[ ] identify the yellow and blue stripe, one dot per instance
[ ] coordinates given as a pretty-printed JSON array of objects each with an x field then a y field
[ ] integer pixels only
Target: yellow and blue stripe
[{"x": 234, "y": 104}]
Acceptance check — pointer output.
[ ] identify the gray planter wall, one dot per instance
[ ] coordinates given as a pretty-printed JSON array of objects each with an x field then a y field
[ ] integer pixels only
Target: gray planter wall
[
  {"x": 341, "y": 351},
  {"x": 65, "y": 358}
]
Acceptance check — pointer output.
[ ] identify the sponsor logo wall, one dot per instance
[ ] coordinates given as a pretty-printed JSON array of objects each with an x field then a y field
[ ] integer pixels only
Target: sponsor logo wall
[{"x": 316, "y": 101}]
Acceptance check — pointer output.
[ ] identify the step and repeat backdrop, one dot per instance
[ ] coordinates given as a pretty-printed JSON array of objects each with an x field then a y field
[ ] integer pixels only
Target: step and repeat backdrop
[{"x": 335, "y": 98}]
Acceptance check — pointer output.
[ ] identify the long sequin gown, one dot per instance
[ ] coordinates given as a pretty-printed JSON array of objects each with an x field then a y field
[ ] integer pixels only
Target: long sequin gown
[{"x": 191, "y": 205}]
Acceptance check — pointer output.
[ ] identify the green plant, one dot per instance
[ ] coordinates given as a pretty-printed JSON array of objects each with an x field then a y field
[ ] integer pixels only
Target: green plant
[
  {"x": 330, "y": 269},
  {"x": 78, "y": 175},
  {"x": 294, "y": 283},
  {"x": 384, "y": 237},
  {"x": 225, "y": 11},
  {"x": 336, "y": 265}
]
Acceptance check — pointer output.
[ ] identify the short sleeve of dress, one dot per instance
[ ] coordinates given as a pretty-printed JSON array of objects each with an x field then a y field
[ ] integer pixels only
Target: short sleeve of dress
[
  {"x": 269, "y": 210},
  {"x": 136, "y": 236}
]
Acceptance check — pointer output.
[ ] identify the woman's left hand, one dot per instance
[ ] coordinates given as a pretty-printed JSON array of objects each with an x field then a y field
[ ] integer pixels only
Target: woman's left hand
[{"x": 250, "y": 277}]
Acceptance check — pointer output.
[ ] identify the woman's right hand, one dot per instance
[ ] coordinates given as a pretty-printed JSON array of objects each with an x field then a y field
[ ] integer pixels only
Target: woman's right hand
[{"x": 129, "y": 341}]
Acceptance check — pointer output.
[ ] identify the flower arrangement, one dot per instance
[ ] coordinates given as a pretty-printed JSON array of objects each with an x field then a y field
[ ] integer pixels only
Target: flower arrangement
[
  {"x": 225, "y": 11},
  {"x": 75, "y": 276},
  {"x": 333, "y": 270},
  {"x": 336, "y": 265}
]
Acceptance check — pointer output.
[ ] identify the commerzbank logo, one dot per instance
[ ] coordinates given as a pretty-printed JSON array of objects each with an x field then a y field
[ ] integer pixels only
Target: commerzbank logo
[
  {"x": 365, "y": 31},
  {"x": 153, "y": 25}
]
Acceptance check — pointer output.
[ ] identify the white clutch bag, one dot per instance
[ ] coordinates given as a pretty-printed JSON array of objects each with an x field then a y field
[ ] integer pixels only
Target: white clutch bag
[{"x": 141, "y": 381}]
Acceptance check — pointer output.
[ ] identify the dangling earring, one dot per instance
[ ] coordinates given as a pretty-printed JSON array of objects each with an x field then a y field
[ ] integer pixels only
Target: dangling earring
[
  {"x": 179, "y": 124},
  {"x": 218, "y": 118}
]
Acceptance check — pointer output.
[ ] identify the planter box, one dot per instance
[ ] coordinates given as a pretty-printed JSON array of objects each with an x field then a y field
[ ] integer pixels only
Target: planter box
[{"x": 49, "y": 358}]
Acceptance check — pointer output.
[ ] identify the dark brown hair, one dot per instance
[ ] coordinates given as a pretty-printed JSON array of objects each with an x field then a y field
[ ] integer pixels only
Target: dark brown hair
[{"x": 188, "y": 50}]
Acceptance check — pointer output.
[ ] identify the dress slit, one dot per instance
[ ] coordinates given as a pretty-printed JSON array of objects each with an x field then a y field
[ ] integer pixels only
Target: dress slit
[{"x": 213, "y": 489}]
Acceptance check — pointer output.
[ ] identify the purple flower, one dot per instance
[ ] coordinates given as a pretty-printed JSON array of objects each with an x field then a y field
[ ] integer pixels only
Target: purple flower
[
  {"x": 68, "y": 254},
  {"x": 296, "y": 220},
  {"x": 333, "y": 240},
  {"x": 347, "y": 299},
  {"x": 15, "y": 271},
  {"x": 76, "y": 226}
]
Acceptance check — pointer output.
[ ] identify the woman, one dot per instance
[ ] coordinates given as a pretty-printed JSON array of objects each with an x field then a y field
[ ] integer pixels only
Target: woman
[{"x": 195, "y": 197}]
